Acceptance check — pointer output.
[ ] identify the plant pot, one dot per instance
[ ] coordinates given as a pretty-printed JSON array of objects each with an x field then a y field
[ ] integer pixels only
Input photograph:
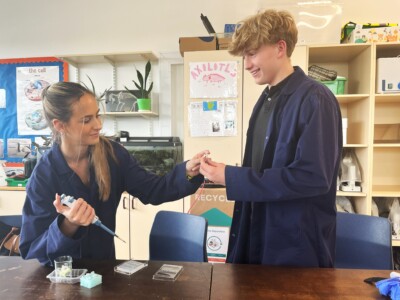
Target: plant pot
[{"x": 144, "y": 104}]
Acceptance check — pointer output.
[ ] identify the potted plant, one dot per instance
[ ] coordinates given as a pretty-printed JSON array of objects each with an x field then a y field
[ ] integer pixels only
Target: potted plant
[
  {"x": 99, "y": 97},
  {"x": 143, "y": 92}
]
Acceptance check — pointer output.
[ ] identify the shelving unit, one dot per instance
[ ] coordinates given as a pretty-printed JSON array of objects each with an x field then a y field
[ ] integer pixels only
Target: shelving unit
[
  {"x": 143, "y": 114},
  {"x": 113, "y": 70},
  {"x": 373, "y": 119},
  {"x": 386, "y": 138},
  {"x": 353, "y": 61}
]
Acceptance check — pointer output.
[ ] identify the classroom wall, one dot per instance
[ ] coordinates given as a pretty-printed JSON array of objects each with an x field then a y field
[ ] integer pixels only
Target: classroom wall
[{"x": 59, "y": 27}]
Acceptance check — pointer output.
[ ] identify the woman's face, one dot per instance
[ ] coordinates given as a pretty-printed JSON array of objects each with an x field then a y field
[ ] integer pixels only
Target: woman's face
[{"x": 85, "y": 124}]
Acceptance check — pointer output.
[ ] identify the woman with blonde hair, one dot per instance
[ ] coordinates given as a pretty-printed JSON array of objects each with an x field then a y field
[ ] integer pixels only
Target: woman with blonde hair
[{"x": 95, "y": 171}]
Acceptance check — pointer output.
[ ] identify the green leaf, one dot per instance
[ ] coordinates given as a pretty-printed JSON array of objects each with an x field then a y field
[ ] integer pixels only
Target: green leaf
[
  {"x": 150, "y": 88},
  {"x": 138, "y": 86},
  {"x": 140, "y": 78},
  {"x": 147, "y": 72}
]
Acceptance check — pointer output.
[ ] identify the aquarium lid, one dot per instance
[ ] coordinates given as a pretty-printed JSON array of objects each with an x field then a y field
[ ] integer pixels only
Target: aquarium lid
[{"x": 153, "y": 141}]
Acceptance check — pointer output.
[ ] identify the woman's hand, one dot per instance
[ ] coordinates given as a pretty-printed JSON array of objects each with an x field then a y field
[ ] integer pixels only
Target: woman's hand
[
  {"x": 193, "y": 165},
  {"x": 79, "y": 214}
]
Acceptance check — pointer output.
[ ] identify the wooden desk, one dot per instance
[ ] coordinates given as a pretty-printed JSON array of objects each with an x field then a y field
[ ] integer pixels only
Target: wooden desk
[
  {"x": 260, "y": 282},
  {"x": 26, "y": 279}
]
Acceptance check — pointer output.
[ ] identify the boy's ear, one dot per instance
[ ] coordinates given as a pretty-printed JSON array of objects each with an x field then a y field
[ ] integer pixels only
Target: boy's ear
[{"x": 282, "y": 48}]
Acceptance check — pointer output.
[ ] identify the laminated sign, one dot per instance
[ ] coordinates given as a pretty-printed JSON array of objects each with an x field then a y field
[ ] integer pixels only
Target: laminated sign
[{"x": 213, "y": 205}]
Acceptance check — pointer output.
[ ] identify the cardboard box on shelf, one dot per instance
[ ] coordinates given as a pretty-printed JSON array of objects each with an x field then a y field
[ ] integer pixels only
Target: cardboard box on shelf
[
  {"x": 223, "y": 42},
  {"x": 200, "y": 43},
  {"x": 369, "y": 35}
]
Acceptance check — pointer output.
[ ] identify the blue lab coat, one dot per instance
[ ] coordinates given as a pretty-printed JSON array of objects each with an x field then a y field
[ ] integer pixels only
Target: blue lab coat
[
  {"x": 41, "y": 237},
  {"x": 285, "y": 214}
]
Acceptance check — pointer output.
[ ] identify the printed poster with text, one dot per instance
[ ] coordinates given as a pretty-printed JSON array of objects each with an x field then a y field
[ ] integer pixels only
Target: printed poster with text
[
  {"x": 30, "y": 82},
  {"x": 217, "y": 79},
  {"x": 213, "y": 118}
]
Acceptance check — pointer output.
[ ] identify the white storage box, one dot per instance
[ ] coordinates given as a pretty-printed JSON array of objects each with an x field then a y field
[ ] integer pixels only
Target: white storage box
[
  {"x": 344, "y": 128},
  {"x": 388, "y": 75}
]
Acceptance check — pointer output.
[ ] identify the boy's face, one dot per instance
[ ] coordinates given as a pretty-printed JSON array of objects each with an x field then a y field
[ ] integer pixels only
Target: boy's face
[{"x": 264, "y": 64}]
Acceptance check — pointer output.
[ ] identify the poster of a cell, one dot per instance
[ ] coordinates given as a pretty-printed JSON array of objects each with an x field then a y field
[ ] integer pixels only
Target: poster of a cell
[{"x": 30, "y": 83}]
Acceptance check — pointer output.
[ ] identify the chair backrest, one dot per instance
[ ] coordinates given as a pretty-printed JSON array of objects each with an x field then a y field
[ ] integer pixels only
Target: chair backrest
[
  {"x": 177, "y": 236},
  {"x": 12, "y": 220},
  {"x": 363, "y": 242}
]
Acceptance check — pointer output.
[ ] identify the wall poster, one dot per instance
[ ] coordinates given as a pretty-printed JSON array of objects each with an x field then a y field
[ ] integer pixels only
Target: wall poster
[
  {"x": 216, "y": 80},
  {"x": 21, "y": 83},
  {"x": 30, "y": 82},
  {"x": 213, "y": 118}
]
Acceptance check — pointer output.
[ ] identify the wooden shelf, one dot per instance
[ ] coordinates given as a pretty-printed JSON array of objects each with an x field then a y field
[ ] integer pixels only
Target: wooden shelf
[
  {"x": 350, "y": 98},
  {"x": 386, "y": 145},
  {"x": 395, "y": 243},
  {"x": 112, "y": 58},
  {"x": 147, "y": 114},
  {"x": 351, "y": 194},
  {"x": 12, "y": 188},
  {"x": 386, "y": 191},
  {"x": 387, "y": 98},
  {"x": 355, "y": 146},
  {"x": 335, "y": 53}
]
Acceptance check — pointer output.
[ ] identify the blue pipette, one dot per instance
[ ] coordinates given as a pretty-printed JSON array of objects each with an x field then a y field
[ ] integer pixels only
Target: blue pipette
[{"x": 68, "y": 200}]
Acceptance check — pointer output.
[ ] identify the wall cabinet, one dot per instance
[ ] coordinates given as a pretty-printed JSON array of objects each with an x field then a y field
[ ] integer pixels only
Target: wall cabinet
[
  {"x": 11, "y": 201},
  {"x": 134, "y": 222}
]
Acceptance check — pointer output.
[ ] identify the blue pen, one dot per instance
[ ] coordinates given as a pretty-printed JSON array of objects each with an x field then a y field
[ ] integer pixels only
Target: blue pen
[{"x": 68, "y": 200}]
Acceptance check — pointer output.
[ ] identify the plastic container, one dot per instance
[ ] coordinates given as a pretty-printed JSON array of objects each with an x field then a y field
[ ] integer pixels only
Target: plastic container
[
  {"x": 21, "y": 182},
  {"x": 75, "y": 277},
  {"x": 336, "y": 86}
]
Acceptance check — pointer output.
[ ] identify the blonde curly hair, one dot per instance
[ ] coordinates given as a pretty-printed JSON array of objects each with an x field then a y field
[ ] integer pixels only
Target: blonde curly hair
[{"x": 265, "y": 28}]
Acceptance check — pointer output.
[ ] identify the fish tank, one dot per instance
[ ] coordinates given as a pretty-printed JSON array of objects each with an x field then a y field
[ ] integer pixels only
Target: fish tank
[{"x": 158, "y": 155}]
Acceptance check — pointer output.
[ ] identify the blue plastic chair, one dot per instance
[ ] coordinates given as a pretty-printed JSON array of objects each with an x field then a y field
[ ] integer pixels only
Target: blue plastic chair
[
  {"x": 12, "y": 220},
  {"x": 177, "y": 236},
  {"x": 363, "y": 242},
  {"x": 6, "y": 233}
]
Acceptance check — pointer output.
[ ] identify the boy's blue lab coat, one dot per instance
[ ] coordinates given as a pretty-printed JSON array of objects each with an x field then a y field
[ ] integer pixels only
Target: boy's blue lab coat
[{"x": 286, "y": 214}]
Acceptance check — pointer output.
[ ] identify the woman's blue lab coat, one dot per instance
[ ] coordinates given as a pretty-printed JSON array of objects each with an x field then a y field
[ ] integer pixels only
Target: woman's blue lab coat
[
  {"x": 41, "y": 237},
  {"x": 286, "y": 214}
]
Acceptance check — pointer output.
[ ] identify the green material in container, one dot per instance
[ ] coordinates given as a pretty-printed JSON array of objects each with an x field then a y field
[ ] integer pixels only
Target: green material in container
[
  {"x": 21, "y": 182},
  {"x": 336, "y": 86}
]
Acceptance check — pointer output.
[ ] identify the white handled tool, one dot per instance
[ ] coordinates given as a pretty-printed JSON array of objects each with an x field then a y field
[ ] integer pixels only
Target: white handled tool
[{"x": 68, "y": 200}]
